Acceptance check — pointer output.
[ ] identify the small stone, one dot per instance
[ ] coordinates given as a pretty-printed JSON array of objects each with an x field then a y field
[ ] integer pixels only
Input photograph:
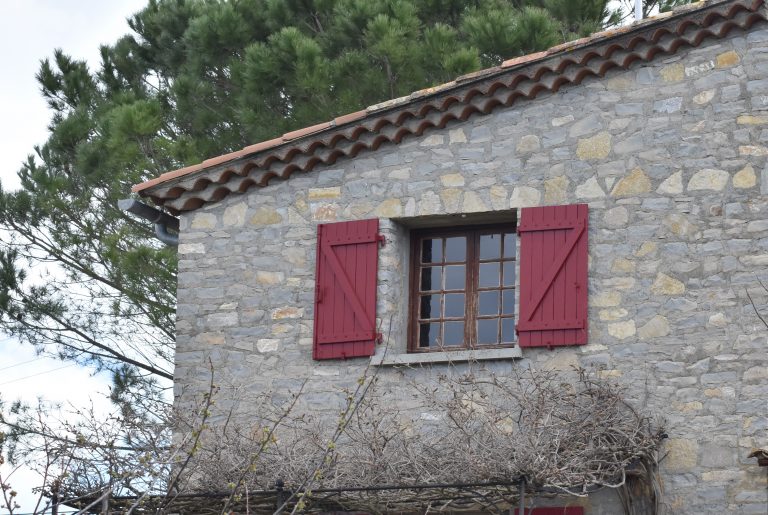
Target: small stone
[
  {"x": 559, "y": 122},
  {"x": 745, "y": 178},
  {"x": 606, "y": 299},
  {"x": 324, "y": 193},
  {"x": 608, "y": 315},
  {"x": 756, "y": 374},
  {"x": 666, "y": 285},
  {"x": 622, "y": 265},
  {"x": 589, "y": 189},
  {"x": 687, "y": 407},
  {"x": 433, "y": 140},
  {"x": 672, "y": 73},
  {"x": 211, "y": 338},
  {"x": 265, "y": 215},
  {"x": 616, "y": 217},
  {"x": 191, "y": 248},
  {"x": 708, "y": 179},
  {"x": 656, "y": 327},
  {"x": 527, "y": 144},
  {"x": 429, "y": 203},
  {"x": 234, "y": 216},
  {"x": 498, "y": 197},
  {"x": 524, "y": 196},
  {"x": 457, "y": 136},
  {"x": 556, "y": 190},
  {"x": 717, "y": 320},
  {"x": 672, "y": 185},
  {"x": 704, "y": 97},
  {"x": 682, "y": 454},
  {"x": 287, "y": 312},
  {"x": 204, "y": 221},
  {"x": 754, "y": 260},
  {"x": 635, "y": 183},
  {"x": 267, "y": 344},
  {"x": 452, "y": 180},
  {"x": 400, "y": 173},
  {"x": 678, "y": 224},
  {"x": 646, "y": 248},
  {"x": 565, "y": 361},
  {"x": 668, "y": 105},
  {"x": 596, "y": 147},
  {"x": 389, "y": 208},
  {"x": 267, "y": 278},
  {"x": 451, "y": 198},
  {"x": 619, "y": 83},
  {"x": 473, "y": 203},
  {"x": 727, "y": 59},
  {"x": 748, "y": 119},
  {"x": 324, "y": 212},
  {"x": 753, "y": 150}
]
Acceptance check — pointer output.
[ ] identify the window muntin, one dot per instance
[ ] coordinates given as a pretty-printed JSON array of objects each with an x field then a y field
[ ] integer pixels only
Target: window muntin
[{"x": 463, "y": 288}]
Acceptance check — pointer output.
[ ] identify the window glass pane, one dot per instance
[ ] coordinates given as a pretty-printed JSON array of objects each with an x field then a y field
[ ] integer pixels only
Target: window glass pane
[
  {"x": 455, "y": 277},
  {"x": 509, "y": 273},
  {"x": 510, "y": 241},
  {"x": 454, "y": 305},
  {"x": 508, "y": 302},
  {"x": 508, "y": 330},
  {"x": 490, "y": 246},
  {"x": 488, "y": 303},
  {"x": 456, "y": 249},
  {"x": 430, "y": 278},
  {"x": 489, "y": 275},
  {"x": 488, "y": 331},
  {"x": 429, "y": 334},
  {"x": 454, "y": 333},
  {"x": 432, "y": 251},
  {"x": 430, "y": 306}
]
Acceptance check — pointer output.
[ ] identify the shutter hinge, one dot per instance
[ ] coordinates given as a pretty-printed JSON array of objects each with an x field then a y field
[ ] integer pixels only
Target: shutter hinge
[
  {"x": 381, "y": 239},
  {"x": 379, "y": 338}
]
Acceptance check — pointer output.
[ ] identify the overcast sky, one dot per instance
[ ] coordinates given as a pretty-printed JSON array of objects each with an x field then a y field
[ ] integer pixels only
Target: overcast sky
[{"x": 29, "y": 31}]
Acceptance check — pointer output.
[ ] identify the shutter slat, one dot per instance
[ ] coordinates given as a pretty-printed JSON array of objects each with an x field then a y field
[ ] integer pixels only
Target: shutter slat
[
  {"x": 553, "y": 276},
  {"x": 345, "y": 294}
]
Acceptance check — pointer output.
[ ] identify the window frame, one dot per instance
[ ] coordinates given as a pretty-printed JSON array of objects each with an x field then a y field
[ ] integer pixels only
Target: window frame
[{"x": 473, "y": 232}]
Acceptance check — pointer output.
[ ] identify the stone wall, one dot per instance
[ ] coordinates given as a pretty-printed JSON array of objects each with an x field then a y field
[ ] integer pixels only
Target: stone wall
[{"x": 671, "y": 158}]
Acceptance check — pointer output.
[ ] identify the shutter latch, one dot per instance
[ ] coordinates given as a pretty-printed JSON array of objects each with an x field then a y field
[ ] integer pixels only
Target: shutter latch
[
  {"x": 381, "y": 239},
  {"x": 379, "y": 338}
]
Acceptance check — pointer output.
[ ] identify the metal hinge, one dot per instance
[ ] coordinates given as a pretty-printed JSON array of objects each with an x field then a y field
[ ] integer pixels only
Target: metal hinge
[{"x": 381, "y": 239}]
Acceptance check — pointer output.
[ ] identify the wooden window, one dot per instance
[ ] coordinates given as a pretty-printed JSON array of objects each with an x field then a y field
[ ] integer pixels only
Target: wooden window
[{"x": 463, "y": 288}]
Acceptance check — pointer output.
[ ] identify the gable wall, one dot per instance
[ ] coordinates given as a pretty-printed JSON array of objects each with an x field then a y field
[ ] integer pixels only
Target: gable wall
[{"x": 671, "y": 158}]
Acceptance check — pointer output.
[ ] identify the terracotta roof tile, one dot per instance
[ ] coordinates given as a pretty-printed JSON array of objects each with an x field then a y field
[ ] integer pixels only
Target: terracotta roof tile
[{"x": 479, "y": 92}]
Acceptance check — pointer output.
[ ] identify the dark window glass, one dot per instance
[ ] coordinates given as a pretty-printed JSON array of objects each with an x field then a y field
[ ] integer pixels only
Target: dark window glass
[
  {"x": 430, "y": 278},
  {"x": 455, "y": 249},
  {"x": 454, "y": 305},
  {"x": 490, "y": 246},
  {"x": 432, "y": 251},
  {"x": 465, "y": 292},
  {"x": 455, "y": 277},
  {"x": 429, "y": 334}
]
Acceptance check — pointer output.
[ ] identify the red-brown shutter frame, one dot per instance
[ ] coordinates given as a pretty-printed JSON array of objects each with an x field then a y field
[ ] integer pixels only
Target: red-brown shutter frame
[
  {"x": 345, "y": 289},
  {"x": 553, "y": 276}
]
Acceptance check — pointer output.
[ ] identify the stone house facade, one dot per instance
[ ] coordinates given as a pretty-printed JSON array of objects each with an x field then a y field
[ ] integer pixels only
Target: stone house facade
[{"x": 661, "y": 129}]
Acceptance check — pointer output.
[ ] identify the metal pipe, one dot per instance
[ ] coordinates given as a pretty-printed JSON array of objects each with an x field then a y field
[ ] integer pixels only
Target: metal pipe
[{"x": 162, "y": 221}]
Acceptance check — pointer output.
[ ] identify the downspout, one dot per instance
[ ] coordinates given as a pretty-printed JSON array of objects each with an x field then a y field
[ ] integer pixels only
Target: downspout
[{"x": 163, "y": 221}]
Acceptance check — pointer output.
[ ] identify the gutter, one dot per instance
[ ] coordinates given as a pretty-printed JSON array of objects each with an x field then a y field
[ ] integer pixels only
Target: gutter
[{"x": 163, "y": 221}]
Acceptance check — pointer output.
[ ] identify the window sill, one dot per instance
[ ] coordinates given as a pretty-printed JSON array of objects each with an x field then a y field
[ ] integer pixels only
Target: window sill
[{"x": 459, "y": 356}]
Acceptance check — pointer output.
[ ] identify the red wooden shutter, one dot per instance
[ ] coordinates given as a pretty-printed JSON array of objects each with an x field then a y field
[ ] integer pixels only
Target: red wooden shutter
[
  {"x": 553, "y": 276},
  {"x": 345, "y": 289},
  {"x": 553, "y": 510}
]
